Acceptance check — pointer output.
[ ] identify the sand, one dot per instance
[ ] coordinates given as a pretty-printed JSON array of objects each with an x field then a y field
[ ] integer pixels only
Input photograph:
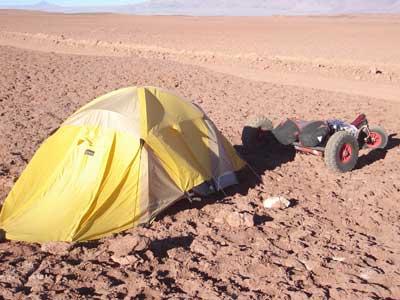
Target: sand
[{"x": 340, "y": 240}]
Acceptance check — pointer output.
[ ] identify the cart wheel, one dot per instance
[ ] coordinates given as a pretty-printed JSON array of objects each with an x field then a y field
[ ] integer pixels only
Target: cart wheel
[
  {"x": 253, "y": 132},
  {"x": 341, "y": 152},
  {"x": 378, "y": 138}
]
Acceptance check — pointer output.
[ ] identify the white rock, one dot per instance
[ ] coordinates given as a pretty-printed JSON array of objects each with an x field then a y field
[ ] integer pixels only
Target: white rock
[
  {"x": 276, "y": 202},
  {"x": 338, "y": 258}
]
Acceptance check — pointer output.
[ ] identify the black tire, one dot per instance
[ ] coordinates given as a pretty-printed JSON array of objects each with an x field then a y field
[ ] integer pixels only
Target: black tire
[
  {"x": 341, "y": 152},
  {"x": 382, "y": 136},
  {"x": 251, "y": 131}
]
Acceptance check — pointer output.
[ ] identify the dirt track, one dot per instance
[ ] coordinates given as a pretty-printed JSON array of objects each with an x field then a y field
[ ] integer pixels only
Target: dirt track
[
  {"x": 351, "y": 54},
  {"x": 340, "y": 240}
]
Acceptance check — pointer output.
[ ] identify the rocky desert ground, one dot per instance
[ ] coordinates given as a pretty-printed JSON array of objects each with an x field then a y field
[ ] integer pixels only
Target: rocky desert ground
[{"x": 341, "y": 237}]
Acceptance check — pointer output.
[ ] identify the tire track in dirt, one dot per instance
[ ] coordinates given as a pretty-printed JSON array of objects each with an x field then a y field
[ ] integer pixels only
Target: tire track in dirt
[{"x": 302, "y": 72}]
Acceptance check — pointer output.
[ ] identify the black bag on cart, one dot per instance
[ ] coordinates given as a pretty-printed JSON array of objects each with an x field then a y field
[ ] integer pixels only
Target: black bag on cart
[
  {"x": 313, "y": 134},
  {"x": 287, "y": 132},
  {"x": 308, "y": 133}
]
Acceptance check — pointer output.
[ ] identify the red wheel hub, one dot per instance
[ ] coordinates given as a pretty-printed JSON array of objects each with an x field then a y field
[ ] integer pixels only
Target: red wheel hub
[
  {"x": 374, "y": 140},
  {"x": 345, "y": 153}
]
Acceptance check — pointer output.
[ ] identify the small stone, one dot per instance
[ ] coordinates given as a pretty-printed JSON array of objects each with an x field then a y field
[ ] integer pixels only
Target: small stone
[
  {"x": 310, "y": 265},
  {"x": 277, "y": 202},
  {"x": 368, "y": 273},
  {"x": 298, "y": 295},
  {"x": 149, "y": 254},
  {"x": 220, "y": 218},
  {"x": 298, "y": 233},
  {"x": 236, "y": 219},
  {"x": 338, "y": 258},
  {"x": 233, "y": 220},
  {"x": 174, "y": 253},
  {"x": 58, "y": 248},
  {"x": 58, "y": 279},
  {"x": 11, "y": 279},
  {"x": 375, "y": 70},
  {"x": 203, "y": 247},
  {"x": 124, "y": 245},
  {"x": 124, "y": 260}
]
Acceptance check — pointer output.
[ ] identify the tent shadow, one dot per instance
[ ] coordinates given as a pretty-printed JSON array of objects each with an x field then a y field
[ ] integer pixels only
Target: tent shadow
[
  {"x": 377, "y": 154},
  {"x": 266, "y": 157}
]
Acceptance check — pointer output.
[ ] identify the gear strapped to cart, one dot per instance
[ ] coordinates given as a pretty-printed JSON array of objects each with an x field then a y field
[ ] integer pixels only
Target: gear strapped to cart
[{"x": 337, "y": 141}]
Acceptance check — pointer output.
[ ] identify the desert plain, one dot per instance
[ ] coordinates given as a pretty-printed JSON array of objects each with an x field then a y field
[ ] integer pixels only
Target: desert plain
[{"x": 341, "y": 237}]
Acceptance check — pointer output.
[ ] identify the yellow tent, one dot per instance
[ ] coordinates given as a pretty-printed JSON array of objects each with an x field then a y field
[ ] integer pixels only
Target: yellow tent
[{"x": 115, "y": 163}]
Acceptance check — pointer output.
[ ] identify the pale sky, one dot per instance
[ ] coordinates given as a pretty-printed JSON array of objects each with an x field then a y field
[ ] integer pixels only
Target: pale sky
[{"x": 70, "y": 2}]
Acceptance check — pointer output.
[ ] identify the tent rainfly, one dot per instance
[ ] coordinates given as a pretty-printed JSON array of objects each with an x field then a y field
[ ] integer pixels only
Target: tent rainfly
[{"x": 115, "y": 163}]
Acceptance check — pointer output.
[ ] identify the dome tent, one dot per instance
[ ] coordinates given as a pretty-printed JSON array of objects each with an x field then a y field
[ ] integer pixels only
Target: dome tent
[{"x": 115, "y": 163}]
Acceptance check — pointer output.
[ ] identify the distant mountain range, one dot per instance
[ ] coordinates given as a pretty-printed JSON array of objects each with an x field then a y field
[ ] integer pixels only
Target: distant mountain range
[{"x": 232, "y": 7}]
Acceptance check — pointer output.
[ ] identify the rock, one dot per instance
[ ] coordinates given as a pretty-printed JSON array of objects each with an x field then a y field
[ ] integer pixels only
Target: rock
[
  {"x": 298, "y": 295},
  {"x": 203, "y": 247},
  {"x": 124, "y": 260},
  {"x": 11, "y": 279},
  {"x": 175, "y": 254},
  {"x": 124, "y": 245},
  {"x": 310, "y": 264},
  {"x": 375, "y": 70},
  {"x": 220, "y": 218},
  {"x": 149, "y": 254},
  {"x": 58, "y": 248},
  {"x": 368, "y": 273},
  {"x": 338, "y": 258},
  {"x": 298, "y": 233},
  {"x": 277, "y": 202},
  {"x": 235, "y": 219}
]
